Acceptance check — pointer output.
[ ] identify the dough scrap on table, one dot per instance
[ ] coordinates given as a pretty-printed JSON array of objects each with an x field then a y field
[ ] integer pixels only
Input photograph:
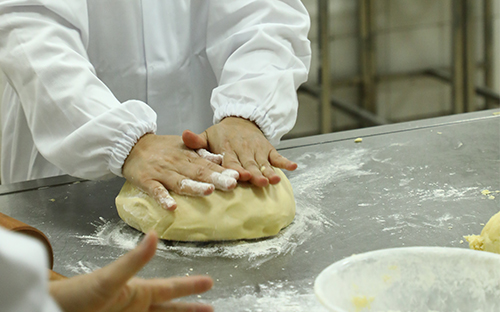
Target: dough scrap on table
[
  {"x": 489, "y": 240},
  {"x": 247, "y": 212}
]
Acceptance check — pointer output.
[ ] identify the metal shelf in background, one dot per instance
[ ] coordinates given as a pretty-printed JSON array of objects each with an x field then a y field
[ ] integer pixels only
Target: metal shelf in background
[{"x": 461, "y": 74}]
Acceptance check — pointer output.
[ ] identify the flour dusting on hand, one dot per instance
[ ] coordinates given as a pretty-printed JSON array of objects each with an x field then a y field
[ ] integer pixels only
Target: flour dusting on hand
[
  {"x": 223, "y": 182},
  {"x": 309, "y": 183},
  {"x": 215, "y": 158},
  {"x": 194, "y": 188}
]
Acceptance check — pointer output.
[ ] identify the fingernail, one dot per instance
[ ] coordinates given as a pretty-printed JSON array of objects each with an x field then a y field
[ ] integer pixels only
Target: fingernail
[{"x": 168, "y": 203}]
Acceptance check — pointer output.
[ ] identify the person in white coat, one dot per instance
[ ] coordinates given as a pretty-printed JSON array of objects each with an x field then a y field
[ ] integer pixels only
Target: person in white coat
[
  {"x": 24, "y": 282},
  {"x": 97, "y": 88}
]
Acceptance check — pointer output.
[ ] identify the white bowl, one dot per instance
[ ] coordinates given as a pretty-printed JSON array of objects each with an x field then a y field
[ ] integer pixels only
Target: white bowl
[{"x": 422, "y": 279}]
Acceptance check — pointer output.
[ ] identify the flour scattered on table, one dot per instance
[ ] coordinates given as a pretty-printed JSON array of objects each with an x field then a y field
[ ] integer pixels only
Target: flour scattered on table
[
  {"x": 278, "y": 296},
  {"x": 82, "y": 267},
  {"x": 436, "y": 192},
  {"x": 308, "y": 182}
]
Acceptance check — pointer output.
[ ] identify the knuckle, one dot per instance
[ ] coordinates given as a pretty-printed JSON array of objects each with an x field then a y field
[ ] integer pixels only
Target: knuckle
[
  {"x": 179, "y": 187},
  {"x": 200, "y": 173}
]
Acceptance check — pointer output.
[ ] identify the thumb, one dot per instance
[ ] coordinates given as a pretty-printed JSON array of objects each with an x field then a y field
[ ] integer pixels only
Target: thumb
[
  {"x": 114, "y": 276},
  {"x": 194, "y": 141}
]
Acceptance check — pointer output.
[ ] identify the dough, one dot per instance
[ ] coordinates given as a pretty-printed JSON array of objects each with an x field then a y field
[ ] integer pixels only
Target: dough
[
  {"x": 246, "y": 212},
  {"x": 489, "y": 240}
]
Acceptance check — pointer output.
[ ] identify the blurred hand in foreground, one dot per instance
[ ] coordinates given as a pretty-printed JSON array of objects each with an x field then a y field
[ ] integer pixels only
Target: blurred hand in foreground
[{"x": 113, "y": 287}]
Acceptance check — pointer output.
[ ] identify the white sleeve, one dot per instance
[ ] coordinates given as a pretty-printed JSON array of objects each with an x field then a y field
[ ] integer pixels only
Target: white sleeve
[
  {"x": 23, "y": 275},
  {"x": 76, "y": 122},
  {"x": 260, "y": 54}
]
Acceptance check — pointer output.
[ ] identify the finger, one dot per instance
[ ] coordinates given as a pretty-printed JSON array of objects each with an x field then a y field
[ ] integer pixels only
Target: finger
[
  {"x": 208, "y": 172},
  {"x": 267, "y": 170},
  {"x": 225, "y": 181},
  {"x": 163, "y": 290},
  {"x": 281, "y": 162},
  {"x": 215, "y": 158},
  {"x": 182, "y": 307},
  {"x": 113, "y": 277},
  {"x": 231, "y": 161},
  {"x": 182, "y": 185},
  {"x": 160, "y": 194},
  {"x": 231, "y": 173},
  {"x": 257, "y": 179},
  {"x": 194, "y": 141},
  {"x": 195, "y": 188}
]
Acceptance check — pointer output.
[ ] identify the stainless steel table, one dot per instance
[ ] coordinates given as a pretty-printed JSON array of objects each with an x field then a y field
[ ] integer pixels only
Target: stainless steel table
[{"x": 410, "y": 184}]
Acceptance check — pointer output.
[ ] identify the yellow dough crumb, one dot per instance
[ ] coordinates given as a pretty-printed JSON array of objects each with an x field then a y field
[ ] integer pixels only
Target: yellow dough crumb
[
  {"x": 362, "y": 302},
  {"x": 358, "y": 140},
  {"x": 489, "y": 240},
  {"x": 485, "y": 192},
  {"x": 491, "y": 197}
]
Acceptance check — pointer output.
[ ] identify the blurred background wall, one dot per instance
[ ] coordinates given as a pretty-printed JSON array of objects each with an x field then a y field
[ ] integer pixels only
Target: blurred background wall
[{"x": 409, "y": 36}]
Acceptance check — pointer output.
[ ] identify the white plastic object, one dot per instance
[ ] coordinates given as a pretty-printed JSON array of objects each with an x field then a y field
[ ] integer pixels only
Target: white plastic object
[{"x": 423, "y": 279}]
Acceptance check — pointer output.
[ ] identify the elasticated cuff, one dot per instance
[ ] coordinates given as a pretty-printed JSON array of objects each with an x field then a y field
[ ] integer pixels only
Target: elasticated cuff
[
  {"x": 130, "y": 137},
  {"x": 252, "y": 113}
]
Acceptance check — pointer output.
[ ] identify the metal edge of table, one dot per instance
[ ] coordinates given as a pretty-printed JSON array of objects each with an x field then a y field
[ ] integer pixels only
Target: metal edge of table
[
  {"x": 392, "y": 128},
  {"x": 287, "y": 144},
  {"x": 38, "y": 184}
]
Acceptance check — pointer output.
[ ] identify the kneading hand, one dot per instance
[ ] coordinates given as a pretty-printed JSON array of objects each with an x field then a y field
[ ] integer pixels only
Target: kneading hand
[
  {"x": 158, "y": 163},
  {"x": 245, "y": 149},
  {"x": 112, "y": 289}
]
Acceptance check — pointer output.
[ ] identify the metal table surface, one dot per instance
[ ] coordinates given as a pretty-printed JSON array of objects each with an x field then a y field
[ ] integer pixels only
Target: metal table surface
[{"x": 409, "y": 184}]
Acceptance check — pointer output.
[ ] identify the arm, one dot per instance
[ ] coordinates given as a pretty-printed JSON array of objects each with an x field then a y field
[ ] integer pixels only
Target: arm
[
  {"x": 76, "y": 122},
  {"x": 260, "y": 54}
]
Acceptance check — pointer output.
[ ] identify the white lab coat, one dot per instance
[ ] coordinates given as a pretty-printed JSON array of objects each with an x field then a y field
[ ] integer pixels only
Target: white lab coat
[
  {"x": 23, "y": 275},
  {"x": 80, "y": 73}
]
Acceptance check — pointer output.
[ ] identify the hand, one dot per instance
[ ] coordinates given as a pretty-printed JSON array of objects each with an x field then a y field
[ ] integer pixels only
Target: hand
[
  {"x": 112, "y": 289},
  {"x": 158, "y": 163},
  {"x": 245, "y": 149}
]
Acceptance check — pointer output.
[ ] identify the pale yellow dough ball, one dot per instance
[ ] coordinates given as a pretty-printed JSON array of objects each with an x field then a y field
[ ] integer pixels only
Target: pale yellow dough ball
[
  {"x": 247, "y": 212},
  {"x": 489, "y": 240}
]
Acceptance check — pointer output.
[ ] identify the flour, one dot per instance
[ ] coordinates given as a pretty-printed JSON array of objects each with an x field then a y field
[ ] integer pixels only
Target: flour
[
  {"x": 445, "y": 193},
  {"x": 223, "y": 181},
  {"x": 215, "y": 158},
  {"x": 231, "y": 173},
  {"x": 308, "y": 182},
  {"x": 433, "y": 192},
  {"x": 278, "y": 296},
  {"x": 82, "y": 267},
  {"x": 163, "y": 197},
  {"x": 194, "y": 188}
]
